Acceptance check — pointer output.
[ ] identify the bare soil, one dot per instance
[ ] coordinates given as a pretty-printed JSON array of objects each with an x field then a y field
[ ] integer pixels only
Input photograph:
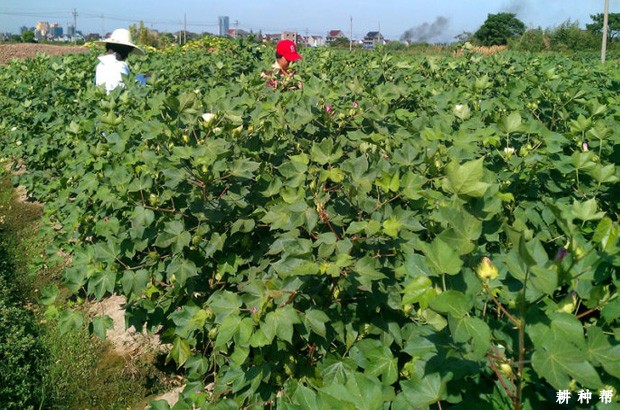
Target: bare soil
[{"x": 9, "y": 52}]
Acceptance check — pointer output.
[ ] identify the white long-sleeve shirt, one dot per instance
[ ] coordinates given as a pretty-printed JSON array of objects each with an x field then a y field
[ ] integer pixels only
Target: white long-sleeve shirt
[{"x": 109, "y": 72}]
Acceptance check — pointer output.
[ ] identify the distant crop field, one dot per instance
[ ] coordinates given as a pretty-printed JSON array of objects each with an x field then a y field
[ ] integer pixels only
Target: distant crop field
[{"x": 27, "y": 50}]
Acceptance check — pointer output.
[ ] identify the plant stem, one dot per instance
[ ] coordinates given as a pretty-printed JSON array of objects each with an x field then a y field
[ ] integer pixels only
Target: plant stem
[
  {"x": 519, "y": 382},
  {"x": 499, "y": 377}
]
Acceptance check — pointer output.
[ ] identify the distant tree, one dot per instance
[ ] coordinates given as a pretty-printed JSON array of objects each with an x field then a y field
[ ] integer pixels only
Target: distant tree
[
  {"x": 498, "y": 29},
  {"x": 143, "y": 35},
  {"x": 569, "y": 37},
  {"x": 340, "y": 42},
  {"x": 28, "y": 36},
  {"x": 16, "y": 38},
  {"x": 613, "y": 25},
  {"x": 165, "y": 40},
  {"x": 396, "y": 46},
  {"x": 463, "y": 37},
  {"x": 532, "y": 40}
]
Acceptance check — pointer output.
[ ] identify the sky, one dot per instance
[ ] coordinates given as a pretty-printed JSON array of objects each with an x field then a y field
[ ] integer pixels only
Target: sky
[{"x": 424, "y": 20}]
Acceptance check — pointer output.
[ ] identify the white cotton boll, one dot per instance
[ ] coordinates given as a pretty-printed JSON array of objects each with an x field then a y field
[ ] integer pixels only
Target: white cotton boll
[{"x": 208, "y": 117}]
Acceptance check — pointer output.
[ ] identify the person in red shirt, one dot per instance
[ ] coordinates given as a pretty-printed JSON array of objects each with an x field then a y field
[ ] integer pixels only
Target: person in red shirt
[{"x": 281, "y": 75}]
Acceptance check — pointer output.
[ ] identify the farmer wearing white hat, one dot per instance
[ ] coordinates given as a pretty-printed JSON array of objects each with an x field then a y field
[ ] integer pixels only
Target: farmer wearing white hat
[{"x": 112, "y": 65}]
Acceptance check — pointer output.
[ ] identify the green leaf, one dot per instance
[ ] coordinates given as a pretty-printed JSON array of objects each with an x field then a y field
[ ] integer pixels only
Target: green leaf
[
  {"x": 604, "y": 174},
  {"x": 197, "y": 365},
  {"x": 559, "y": 360},
  {"x": 305, "y": 399},
  {"x": 158, "y": 405},
  {"x": 224, "y": 303},
  {"x": 179, "y": 352},
  {"x": 601, "y": 352},
  {"x": 142, "y": 217},
  {"x": 315, "y": 319},
  {"x": 586, "y": 211},
  {"x": 100, "y": 283},
  {"x": 451, "y": 302},
  {"x": 441, "y": 258},
  {"x": 243, "y": 168},
  {"x": 429, "y": 390},
  {"x": 175, "y": 235},
  {"x": 227, "y": 330},
  {"x": 463, "y": 230},
  {"x": 419, "y": 290},
  {"x": 565, "y": 326},
  {"x": 468, "y": 329},
  {"x": 188, "y": 319},
  {"x": 336, "y": 370},
  {"x": 70, "y": 321},
  {"x": 382, "y": 363},
  {"x": 510, "y": 124},
  {"x": 49, "y": 294},
  {"x": 295, "y": 266},
  {"x": 466, "y": 179},
  {"x": 363, "y": 392},
  {"x": 366, "y": 270},
  {"x": 134, "y": 282},
  {"x": 392, "y": 226},
  {"x": 181, "y": 270},
  {"x": 606, "y": 234},
  {"x": 105, "y": 252},
  {"x": 280, "y": 323},
  {"x": 100, "y": 325}
]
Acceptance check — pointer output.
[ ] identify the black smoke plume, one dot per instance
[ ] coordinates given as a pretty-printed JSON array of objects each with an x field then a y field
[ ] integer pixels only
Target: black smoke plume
[{"x": 427, "y": 31}]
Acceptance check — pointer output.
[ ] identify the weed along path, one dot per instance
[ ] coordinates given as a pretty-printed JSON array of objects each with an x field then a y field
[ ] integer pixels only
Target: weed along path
[{"x": 125, "y": 365}]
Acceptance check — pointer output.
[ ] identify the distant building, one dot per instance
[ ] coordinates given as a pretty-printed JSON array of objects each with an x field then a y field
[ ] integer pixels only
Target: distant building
[
  {"x": 92, "y": 37},
  {"x": 314, "y": 41},
  {"x": 55, "y": 30},
  {"x": 70, "y": 30},
  {"x": 268, "y": 38},
  {"x": 373, "y": 38},
  {"x": 289, "y": 35},
  {"x": 223, "y": 25},
  {"x": 333, "y": 35},
  {"x": 22, "y": 29},
  {"x": 42, "y": 29},
  {"x": 238, "y": 33}
]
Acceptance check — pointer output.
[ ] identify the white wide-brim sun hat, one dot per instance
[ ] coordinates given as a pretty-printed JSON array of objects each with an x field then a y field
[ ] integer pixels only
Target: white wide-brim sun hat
[{"x": 121, "y": 36}]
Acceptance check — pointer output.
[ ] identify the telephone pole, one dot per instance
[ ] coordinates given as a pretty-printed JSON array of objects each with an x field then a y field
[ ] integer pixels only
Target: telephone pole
[
  {"x": 605, "y": 24},
  {"x": 75, "y": 14},
  {"x": 350, "y": 33}
]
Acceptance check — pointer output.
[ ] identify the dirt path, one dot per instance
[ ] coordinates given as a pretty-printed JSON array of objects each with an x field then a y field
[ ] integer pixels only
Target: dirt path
[{"x": 9, "y": 52}]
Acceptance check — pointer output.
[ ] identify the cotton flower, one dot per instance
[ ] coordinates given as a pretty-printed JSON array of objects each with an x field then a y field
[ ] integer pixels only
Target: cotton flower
[
  {"x": 328, "y": 109},
  {"x": 561, "y": 254},
  {"x": 355, "y": 104},
  {"x": 208, "y": 117},
  {"x": 486, "y": 269},
  {"x": 509, "y": 151},
  {"x": 461, "y": 111},
  {"x": 584, "y": 146}
]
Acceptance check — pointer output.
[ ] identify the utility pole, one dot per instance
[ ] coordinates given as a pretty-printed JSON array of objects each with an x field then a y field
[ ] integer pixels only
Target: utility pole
[
  {"x": 236, "y": 24},
  {"x": 75, "y": 14},
  {"x": 350, "y": 33},
  {"x": 184, "y": 28},
  {"x": 605, "y": 24}
]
